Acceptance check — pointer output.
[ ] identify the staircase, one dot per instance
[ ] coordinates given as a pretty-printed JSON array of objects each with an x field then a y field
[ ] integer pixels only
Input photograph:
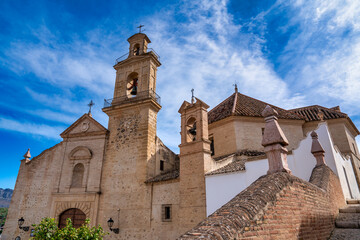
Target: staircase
[{"x": 348, "y": 222}]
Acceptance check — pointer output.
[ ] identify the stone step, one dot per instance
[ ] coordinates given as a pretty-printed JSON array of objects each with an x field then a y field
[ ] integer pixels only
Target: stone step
[
  {"x": 345, "y": 234},
  {"x": 353, "y": 201},
  {"x": 348, "y": 217},
  {"x": 352, "y": 208}
]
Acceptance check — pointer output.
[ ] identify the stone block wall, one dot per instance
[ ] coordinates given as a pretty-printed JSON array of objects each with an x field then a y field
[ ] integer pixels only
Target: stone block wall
[{"x": 277, "y": 206}]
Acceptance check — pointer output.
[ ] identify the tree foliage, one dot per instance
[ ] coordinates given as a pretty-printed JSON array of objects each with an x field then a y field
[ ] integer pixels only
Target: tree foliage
[
  {"x": 3, "y": 214},
  {"x": 48, "y": 230}
]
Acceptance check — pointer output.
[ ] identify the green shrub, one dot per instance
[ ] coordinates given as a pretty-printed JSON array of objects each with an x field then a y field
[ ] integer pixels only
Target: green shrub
[{"x": 48, "y": 229}]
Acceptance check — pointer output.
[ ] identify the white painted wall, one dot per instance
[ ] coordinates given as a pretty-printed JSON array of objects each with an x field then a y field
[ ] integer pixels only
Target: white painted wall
[{"x": 222, "y": 188}]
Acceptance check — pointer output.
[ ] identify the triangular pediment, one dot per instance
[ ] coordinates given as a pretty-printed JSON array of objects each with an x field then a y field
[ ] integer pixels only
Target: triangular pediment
[{"x": 84, "y": 126}]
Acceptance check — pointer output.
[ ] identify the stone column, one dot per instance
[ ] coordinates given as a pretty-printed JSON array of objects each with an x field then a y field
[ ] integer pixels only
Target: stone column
[
  {"x": 317, "y": 150},
  {"x": 274, "y": 141}
]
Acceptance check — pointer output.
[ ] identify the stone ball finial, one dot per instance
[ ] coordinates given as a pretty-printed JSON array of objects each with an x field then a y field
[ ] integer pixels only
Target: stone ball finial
[
  {"x": 314, "y": 135},
  {"x": 269, "y": 111}
]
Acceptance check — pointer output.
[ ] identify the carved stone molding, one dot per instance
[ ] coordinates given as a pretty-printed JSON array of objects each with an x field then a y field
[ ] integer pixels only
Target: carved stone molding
[{"x": 83, "y": 206}]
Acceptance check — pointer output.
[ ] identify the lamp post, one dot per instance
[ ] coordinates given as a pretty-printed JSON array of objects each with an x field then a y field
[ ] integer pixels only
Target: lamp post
[
  {"x": 21, "y": 222},
  {"x": 110, "y": 223}
]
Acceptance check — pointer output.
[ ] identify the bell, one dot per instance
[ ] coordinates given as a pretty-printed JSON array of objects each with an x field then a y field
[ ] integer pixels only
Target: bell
[
  {"x": 192, "y": 130},
  {"x": 133, "y": 91}
]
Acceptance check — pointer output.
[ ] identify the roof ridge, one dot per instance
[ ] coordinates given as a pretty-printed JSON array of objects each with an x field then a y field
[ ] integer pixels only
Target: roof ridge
[
  {"x": 262, "y": 101},
  {"x": 221, "y": 103},
  {"x": 234, "y": 105}
]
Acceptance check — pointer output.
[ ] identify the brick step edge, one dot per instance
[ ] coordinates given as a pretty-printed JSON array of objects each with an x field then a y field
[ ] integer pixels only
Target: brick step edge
[
  {"x": 353, "y": 201},
  {"x": 342, "y": 224},
  {"x": 350, "y": 210}
]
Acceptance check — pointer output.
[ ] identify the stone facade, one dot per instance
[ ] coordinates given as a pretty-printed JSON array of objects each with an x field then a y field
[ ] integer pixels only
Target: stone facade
[{"x": 126, "y": 173}]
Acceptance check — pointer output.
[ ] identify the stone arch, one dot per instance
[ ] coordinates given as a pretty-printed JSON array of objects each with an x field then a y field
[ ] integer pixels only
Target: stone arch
[
  {"x": 132, "y": 83},
  {"x": 80, "y": 153},
  {"x": 76, "y": 215},
  {"x": 136, "y": 49},
  {"x": 83, "y": 206},
  {"x": 191, "y": 129},
  {"x": 78, "y": 175}
]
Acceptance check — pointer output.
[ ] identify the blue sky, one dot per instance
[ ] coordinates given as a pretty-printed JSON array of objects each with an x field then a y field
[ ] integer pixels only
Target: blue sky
[{"x": 57, "y": 55}]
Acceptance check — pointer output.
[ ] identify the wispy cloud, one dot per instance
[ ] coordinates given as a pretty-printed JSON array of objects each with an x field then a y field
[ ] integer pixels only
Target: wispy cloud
[{"x": 43, "y": 130}]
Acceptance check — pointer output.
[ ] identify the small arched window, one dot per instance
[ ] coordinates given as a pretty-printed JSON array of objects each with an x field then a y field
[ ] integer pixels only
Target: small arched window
[
  {"x": 191, "y": 130},
  {"x": 132, "y": 84},
  {"x": 137, "y": 49},
  {"x": 78, "y": 175}
]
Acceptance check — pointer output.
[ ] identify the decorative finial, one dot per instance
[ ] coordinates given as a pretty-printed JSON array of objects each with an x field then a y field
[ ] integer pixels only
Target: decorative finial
[
  {"x": 317, "y": 150},
  {"x": 139, "y": 27},
  {"x": 27, "y": 155},
  {"x": 269, "y": 112},
  {"x": 274, "y": 142},
  {"x": 192, "y": 96},
  {"x": 90, "y": 105},
  {"x": 236, "y": 88}
]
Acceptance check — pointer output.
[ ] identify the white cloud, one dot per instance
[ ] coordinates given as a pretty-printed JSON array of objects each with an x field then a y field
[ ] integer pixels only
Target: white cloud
[
  {"x": 325, "y": 64},
  {"x": 31, "y": 128},
  {"x": 209, "y": 53}
]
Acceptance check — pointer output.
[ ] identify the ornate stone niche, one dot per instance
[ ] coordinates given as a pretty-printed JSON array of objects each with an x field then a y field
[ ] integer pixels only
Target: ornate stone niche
[{"x": 79, "y": 159}]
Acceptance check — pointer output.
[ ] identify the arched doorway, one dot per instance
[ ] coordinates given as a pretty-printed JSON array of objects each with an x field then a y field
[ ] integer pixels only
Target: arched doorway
[{"x": 76, "y": 215}]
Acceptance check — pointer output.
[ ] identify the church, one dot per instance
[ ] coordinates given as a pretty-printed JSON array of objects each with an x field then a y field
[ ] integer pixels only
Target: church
[{"x": 125, "y": 179}]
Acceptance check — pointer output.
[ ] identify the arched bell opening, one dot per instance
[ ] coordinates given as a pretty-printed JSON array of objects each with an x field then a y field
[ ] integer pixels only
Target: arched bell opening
[
  {"x": 191, "y": 130},
  {"x": 78, "y": 176},
  {"x": 77, "y": 217},
  {"x": 136, "y": 49},
  {"x": 132, "y": 84}
]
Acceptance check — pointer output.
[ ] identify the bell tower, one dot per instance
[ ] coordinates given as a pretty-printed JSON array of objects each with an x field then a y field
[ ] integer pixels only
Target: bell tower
[
  {"x": 195, "y": 161},
  {"x": 136, "y": 70},
  {"x": 130, "y": 152}
]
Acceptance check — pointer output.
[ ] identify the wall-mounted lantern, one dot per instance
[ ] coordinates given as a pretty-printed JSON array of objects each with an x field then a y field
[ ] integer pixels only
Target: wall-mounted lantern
[
  {"x": 21, "y": 222},
  {"x": 110, "y": 223}
]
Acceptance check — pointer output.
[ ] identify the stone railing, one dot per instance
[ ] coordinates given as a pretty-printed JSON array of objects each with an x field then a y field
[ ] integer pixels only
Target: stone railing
[{"x": 129, "y": 98}]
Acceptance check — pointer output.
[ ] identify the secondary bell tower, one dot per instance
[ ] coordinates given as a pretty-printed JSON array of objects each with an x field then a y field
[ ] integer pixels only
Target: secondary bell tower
[{"x": 130, "y": 152}]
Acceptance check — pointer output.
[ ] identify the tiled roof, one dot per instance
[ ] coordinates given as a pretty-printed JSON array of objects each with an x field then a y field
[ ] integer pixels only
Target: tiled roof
[
  {"x": 235, "y": 166},
  {"x": 164, "y": 177},
  {"x": 241, "y": 105},
  {"x": 238, "y": 165},
  {"x": 316, "y": 112}
]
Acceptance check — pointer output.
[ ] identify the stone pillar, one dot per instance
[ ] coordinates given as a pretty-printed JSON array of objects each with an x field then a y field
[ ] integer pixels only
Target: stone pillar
[
  {"x": 317, "y": 150},
  {"x": 274, "y": 141}
]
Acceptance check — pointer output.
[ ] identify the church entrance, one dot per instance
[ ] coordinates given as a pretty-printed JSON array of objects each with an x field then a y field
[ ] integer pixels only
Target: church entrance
[{"x": 76, "y": 215}]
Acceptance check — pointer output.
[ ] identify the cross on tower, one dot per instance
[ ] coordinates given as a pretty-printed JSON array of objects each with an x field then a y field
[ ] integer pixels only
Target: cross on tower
[
  {"x": 91, "y": 103},
  {"x": 192, "y": 96},
  {"x": 139, "y": 27}
]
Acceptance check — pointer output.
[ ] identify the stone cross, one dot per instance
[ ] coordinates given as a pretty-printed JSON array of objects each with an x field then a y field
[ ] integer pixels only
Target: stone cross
[
  {"x": 317, "y": 150},
  {"x": 91, "y": 103},
  {"x": 192, "y": 96},
  {"x": 139, "y": 27},
  {"x": 274, "y": 141}
]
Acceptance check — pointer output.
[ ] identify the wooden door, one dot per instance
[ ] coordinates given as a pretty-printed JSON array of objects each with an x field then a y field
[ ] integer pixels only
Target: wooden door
[{"x": 76, "y": 215}]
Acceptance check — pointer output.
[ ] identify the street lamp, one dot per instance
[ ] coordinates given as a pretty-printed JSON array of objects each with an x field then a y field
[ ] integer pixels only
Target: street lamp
[
  {"x": 21, "y": 222},
  {"x": 110, "y": 223}
]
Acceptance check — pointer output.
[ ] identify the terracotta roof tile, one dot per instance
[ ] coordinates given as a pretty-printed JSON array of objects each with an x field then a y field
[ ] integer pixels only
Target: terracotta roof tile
[
  {"x": 164, "y": 177},
  {"x": 241, "y": 105},
  {"x": 238, "y": 165},
  {"x": 315, "y": 112},
  {"x": 235, "y": 166}
]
